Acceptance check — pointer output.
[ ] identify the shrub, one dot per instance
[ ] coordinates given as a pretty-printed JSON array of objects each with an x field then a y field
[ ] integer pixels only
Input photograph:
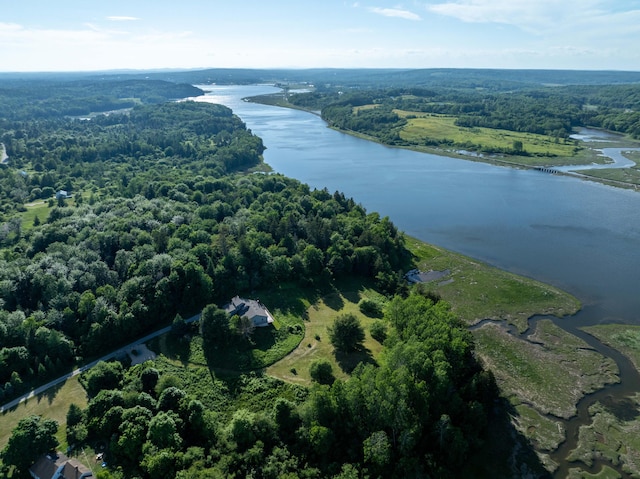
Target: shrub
[
  {"x": 378, "y": 331},
  {"x": 370, "y": 308},
  {"x": 321, "y": 371}
]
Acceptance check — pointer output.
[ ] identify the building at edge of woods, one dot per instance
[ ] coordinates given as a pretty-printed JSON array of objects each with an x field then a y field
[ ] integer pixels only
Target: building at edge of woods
[
  {"x": 59, "y": 466},
  {"x": 252, "y": 309}
]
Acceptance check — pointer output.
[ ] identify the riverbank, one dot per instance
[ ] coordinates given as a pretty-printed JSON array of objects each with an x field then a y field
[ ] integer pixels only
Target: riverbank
[
  {"x": 547, "y": 226},
  {"x": 590, "y": 153}
]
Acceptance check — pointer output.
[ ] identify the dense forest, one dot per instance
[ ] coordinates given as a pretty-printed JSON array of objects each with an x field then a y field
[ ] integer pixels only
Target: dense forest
[
  {"x": 551, "y": 111},
  {"x": 157, "y": 216},
  {"x": 123, "y": 211},
  {"x": 159, "y": 224},
  {"x": 419, "y": 413}
]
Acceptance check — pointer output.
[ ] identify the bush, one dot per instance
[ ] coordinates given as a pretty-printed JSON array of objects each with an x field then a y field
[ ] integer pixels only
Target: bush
[
  {"x": 321, "y": 371},
  {"x": 378, "y": 331},
  {"x": 370, "y": 308}
]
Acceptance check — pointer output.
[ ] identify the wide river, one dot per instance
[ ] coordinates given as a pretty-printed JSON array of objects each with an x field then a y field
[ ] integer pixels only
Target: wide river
[{"x": 581, "y": 236}]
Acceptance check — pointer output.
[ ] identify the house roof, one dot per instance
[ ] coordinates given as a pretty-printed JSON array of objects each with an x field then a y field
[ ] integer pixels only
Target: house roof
[
  {"x": 251, "y": 308},
  {"x": 45, "y": 467},
  {"x": 74, "y": 470},
  {"x": 48, "y": 465}
]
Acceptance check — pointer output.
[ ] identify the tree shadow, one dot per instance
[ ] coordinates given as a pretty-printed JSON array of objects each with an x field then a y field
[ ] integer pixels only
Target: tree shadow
[
  {"x": 175, "y": 347},
  {"x": 334, "y": 301},
  {"x": 348, "y": 361},
  {"x": 506, "y": 452},
  {"x": 50, "y": 394},
  {"x": 352, "y": 296}
]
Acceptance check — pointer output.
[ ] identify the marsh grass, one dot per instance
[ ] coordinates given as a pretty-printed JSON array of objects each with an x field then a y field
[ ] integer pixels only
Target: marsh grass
[
  {"x": 610, "y": 436},
  {"x": 551, "y": 372},
  {"x": 623, "y": 337},
  {"x": 478, "y": 291}
]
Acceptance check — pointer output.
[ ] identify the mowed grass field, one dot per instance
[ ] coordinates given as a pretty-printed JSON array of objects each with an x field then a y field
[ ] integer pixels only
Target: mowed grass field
[
  {"x": 52, "y": 404},
  {"x": 316, "y": 344},
  {"x": 443, "y": 127}
]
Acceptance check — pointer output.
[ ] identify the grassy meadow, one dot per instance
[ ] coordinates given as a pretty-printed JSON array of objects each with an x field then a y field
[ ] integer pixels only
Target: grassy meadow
[
  {"x": 421, "y": 127},
  {"x": 52, "y": 404}
]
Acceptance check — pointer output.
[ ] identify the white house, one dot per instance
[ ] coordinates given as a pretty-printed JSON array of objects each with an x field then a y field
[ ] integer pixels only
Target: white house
[{"x": 252, "y": 309}]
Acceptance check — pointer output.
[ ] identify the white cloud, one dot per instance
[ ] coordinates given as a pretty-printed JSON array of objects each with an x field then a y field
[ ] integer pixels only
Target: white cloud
[
  {"x": 116, "y": 18},
  {"x": 526, "y": 14},
  {"x": 395, "y": 12}
]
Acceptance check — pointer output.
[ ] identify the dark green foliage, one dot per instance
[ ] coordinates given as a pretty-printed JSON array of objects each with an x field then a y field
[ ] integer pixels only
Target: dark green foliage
[
  {"x": 168, "y": 227},
  {"x": 321, "y": 371},
  {"x": 149, "y": 379},
  {"x": 105, "y": 375},
  {"x": 346, "y": 334},
  {"x": 552, "y": 111},
  {"x": 214, "y": 326},
  {"x": 32, "y": 437},
  {"x": 378, "y": 331}
]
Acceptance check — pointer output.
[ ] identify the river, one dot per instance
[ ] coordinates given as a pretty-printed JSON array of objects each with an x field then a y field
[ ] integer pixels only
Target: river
[{"x": 581, "y": 236}]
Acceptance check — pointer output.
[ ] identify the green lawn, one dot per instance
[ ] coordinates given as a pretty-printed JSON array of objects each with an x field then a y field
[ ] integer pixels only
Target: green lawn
[
  {"x": 52, "y": 404},
  {"x": 316, "y": 345},
  {"x": 420, "y": 127}
]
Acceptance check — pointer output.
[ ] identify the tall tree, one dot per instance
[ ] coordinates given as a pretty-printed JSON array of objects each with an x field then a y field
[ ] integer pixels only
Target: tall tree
[
  {"x": 346, "y": 333},
  {"x": 32, "y": 437}
]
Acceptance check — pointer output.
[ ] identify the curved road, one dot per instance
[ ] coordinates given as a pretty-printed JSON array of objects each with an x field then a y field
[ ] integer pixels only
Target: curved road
[{"x": 106, "y": 357}]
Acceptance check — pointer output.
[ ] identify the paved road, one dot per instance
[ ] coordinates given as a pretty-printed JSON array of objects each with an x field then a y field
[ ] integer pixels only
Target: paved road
[{"x": 114, "y": 354}]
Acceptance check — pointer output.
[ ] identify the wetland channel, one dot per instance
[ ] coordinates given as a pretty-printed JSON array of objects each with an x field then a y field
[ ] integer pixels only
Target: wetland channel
[{"x": 578, "y": 235}]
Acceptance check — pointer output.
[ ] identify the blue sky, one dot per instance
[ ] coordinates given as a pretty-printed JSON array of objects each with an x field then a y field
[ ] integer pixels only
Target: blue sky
[{"x": 70, "y": 35}]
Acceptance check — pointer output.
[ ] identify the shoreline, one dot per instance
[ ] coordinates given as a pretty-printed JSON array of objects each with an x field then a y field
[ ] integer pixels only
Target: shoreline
[{"x": 576, "y": 172}]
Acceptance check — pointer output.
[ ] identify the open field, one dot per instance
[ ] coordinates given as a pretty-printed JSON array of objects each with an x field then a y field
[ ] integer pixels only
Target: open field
[
  {"x": 421, "y": 127},
  {"x": 316, "y": 344},
  {"x": 551, "y": 372},
  {"x": 53, "y": 404},
  {"x": 38, "y": 208}
]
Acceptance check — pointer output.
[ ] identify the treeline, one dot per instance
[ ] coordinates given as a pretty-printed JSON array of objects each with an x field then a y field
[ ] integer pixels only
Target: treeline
[
  {"x": 40, "y": 98},
  {"x": 122, "y": 154},
  {"x": 422, "y": 412},
  {"x": 159, "y": 227},
  {"x": 98, "y": 275},
  {"x": 552, "y": 111}
]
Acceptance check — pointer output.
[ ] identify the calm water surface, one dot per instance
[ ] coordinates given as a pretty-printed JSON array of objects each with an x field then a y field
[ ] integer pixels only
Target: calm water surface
[
  {"x": 581, "y": 236},
  {"x": 578, "y": 235}
]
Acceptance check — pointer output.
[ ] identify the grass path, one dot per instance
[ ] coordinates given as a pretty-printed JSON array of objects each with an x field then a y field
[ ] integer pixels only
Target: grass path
[{"x": 316, "y": 344}]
